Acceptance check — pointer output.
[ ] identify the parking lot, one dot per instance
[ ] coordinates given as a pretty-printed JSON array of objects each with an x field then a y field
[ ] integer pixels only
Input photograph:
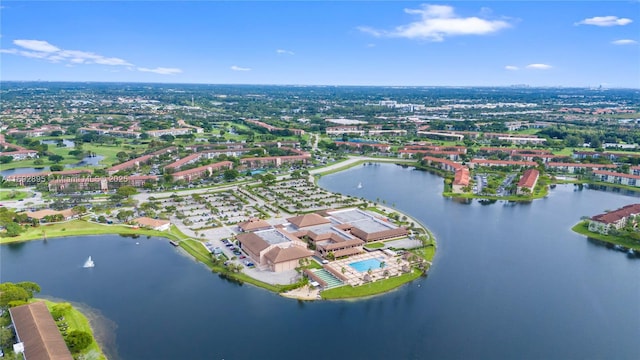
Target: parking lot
[{"x": 300, "y": 195}]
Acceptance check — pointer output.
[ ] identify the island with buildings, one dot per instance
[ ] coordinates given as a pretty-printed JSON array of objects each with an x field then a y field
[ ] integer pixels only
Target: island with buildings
[
  {"x": 617, "y": 228},
  {"x": 229, "y": 178}
]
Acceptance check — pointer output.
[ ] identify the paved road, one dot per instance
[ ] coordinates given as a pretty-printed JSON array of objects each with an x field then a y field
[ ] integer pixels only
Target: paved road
[{"x": 27, "y": 203}]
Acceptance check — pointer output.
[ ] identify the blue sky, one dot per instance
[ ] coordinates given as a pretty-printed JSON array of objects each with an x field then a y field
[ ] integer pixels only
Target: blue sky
[{"x": 475, "y": 43}]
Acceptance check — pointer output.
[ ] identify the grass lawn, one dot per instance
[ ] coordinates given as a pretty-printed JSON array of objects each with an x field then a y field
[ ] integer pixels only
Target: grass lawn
[
  {"x": 426, "y": 252},
  {"x": 11, "y": 194},
  {"x": 109, "y": 151},
  {"x": 582, "y": 228},
  {"x": 81, "y": 227},
  {"x": 369, "y": 289},
  {"x": 376, "y": 245},
  {"x": 77, "y": 321}
]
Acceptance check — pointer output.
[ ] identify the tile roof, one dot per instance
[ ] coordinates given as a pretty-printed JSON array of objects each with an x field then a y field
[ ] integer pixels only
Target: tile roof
[
  {"x": 252, "y": 242},
  {"x": 308, "y": 220},
  {"x": 39, "y": 333},
  {"x": 278, "y": 254},
  {"x": 616, "y": 215},
  {"x": 152, "y": 223},
  {"x": 529, "y": 178},
  {"x": 461, "y": 177},
  {"x": 254, "y": 224}
]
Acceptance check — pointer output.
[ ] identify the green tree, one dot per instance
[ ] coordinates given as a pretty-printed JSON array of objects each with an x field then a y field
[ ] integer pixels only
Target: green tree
[
  {"x": 6, "y": 337},
  {"x": 124, "y": 215},
  {"x": 60, "y": 309},
  {"x": 78, "y": 340},
  {"x": 10, "y": 292},
  {"x": 79, "y": 210},
  {"x": 126, "y": 191},
  {"x": 56, "y": 158},
  {"x": 6, "y": 159},
  {"x": 13, "y": 229},
  {"x": 122, "y": 156},
  {"x": 230, "y": 174},
  {"x": 31, "y": 287}
]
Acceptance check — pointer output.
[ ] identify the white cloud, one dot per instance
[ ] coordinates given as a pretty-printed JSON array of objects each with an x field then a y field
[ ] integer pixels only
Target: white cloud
[
  {"x": 539, "y": 66},
  {"x": 624, "y": 42},
  {"x": 161, "y": 70},
  {"x": 36, "y": 45},
  {"x": 40, "y": 49},
  {"x": 605, "y": 21},
  {"x": 238, "y": 68},
  {"x": 437, "y": 22},
  {"x": 284, "y": 52},
  {"x": 371, "y": 45},
  {"x": 511, "y": 67}
]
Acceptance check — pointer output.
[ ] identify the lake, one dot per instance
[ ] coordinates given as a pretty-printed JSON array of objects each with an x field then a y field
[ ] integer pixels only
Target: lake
[
  {"x": 508, "y": 282},
  {"x": 86, "y": 161}
]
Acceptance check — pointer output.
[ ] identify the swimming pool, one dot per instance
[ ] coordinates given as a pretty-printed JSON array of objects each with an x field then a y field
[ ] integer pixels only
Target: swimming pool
[{"x": 365, "y": 265}]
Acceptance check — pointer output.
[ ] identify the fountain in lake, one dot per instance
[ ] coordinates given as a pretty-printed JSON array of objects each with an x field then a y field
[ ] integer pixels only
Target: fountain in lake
[{"x": 89, "y": 263}]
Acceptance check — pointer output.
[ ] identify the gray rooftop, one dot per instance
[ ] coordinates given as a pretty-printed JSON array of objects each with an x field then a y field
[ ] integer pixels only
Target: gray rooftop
[
  {"x": 272, "y": 236},
  {"x": 361, "y": 220}
]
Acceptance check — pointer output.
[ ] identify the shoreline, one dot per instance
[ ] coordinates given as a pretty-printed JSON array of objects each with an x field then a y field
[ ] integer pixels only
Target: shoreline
[
  {"x": 58, "y": 230},
  {"x": 582, "y": 229}
]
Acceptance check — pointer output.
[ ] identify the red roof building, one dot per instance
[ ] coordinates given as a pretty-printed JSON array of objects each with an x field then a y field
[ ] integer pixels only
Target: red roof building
[
  {"x": 528, "y": 181},
  {"x": 460, "y": 180},
  {"x": 616, "y": 219}
]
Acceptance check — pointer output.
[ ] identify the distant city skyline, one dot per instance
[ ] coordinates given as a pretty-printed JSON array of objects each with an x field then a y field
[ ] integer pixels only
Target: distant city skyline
[{"x": 569, "y": 44}]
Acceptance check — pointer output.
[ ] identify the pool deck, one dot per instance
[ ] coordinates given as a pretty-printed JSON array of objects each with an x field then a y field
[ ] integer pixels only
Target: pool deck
[{"x": 355, "y": 278}]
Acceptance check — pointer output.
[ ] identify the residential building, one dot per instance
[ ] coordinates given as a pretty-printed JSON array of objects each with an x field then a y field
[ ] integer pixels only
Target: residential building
[
  {"x": 616, "y": 219},
  {"x": 40, "y": 215},
  {"x": 201, "y": 171},
  {"x": 577, "y": 167},
  {"x": 172, "y": 132},
  {"x": 341, "y": 130},
  {"x": 617, "y": 178},
  {"x": 461, "y": 180},
  {"x": 528, "y": 182},
  {"x": 486, "y": 162},
  {"x": 38, "y": 333},
  {"x": 154, "y": 224}
]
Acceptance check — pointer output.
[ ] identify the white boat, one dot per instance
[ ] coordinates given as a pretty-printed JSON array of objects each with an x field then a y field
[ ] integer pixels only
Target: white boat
[
  {"x": 89, "y": 263},
  {"x": 360, "y": 185}
]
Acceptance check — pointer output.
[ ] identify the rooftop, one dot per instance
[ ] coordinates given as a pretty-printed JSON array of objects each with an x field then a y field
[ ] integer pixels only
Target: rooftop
[{"x": 39, "y": 333}]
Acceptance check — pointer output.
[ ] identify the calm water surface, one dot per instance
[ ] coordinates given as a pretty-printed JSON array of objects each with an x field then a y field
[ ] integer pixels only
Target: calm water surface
[
  {"x": 86, "y": 161},
  {"x": 509, "y": 282}
]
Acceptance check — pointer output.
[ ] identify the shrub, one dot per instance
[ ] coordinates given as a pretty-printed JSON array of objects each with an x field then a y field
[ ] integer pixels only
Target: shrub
[{"x": 78, "y": 340}]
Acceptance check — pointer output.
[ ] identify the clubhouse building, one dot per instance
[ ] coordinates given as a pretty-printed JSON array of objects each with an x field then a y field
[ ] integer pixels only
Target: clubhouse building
[{"x": 329, "y": 234}]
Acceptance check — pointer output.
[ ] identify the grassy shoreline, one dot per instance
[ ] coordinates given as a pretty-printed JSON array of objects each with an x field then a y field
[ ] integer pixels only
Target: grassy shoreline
[
  {"x": 83, "y": 227},
  {"x": 199, "y": 253},
  {"x": 76, "y": 320},
  {"x": 582, "y": 228}
]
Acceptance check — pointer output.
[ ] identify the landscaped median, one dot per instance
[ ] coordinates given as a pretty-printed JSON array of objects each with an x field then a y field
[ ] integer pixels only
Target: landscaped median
[{"x": 582, "y": 228}]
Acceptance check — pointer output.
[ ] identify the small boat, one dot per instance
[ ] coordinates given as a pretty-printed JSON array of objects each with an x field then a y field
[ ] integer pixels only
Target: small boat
[
  {"x": 174, "y": 243},
  {"x": 89, "y": 263},
  {"x": 359, "y": 185}
]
